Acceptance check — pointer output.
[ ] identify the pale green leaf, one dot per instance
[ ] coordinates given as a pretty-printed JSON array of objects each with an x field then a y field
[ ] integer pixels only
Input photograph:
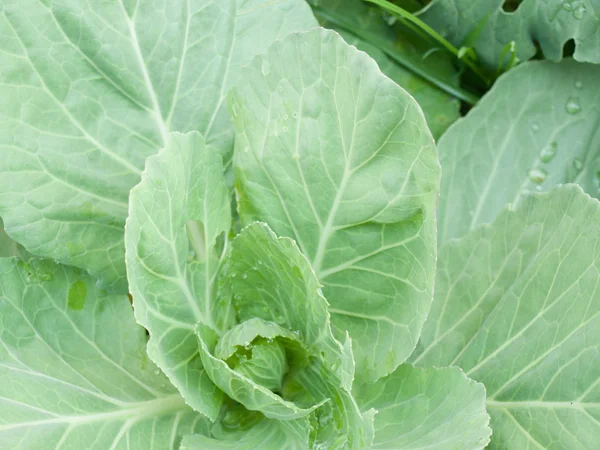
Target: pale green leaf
[
  {"x": 438, "y": 409},
  {"x": 335, "y": 155},
  {"x": 536, "y": 128},
  {"x": 548, "y": 23},
  {"x": 266, "y": 435},
  {"x": 242, "y": 389},
  {"x": 273, "y": 281},
  {"x": 400, "y": 55},
  {"x": 91, "y": 88},
  {"x": 177, "y": 214},
  {"x": 517, "y": 307},
  {"x": 73, "y": 368}
]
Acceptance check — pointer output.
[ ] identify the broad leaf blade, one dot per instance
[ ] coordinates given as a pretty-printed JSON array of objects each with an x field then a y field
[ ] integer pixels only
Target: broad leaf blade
[
  {"x": 400, "y": 55},
  {"x": 337, "y": 156},
  {"x": 93, "y": 88},
  {"x": 74, "y": 368},
  {"x": 520, "y": 139},
  {"x": 176, "y": 215},
  {"x": 517, "y": 308},
  {"x": 427, "y": 408},
  {"x": 548, "y": 23}
]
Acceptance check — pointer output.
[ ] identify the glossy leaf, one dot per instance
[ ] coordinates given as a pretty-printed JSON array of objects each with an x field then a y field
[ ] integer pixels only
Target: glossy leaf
[
  {"x": 537, "y": 128},
  {"x": 90, "y": 89},
  {"x": 548, "y": 23},
  {"x": 335, "y": 155},
  {"x": 517, "y": 307}
]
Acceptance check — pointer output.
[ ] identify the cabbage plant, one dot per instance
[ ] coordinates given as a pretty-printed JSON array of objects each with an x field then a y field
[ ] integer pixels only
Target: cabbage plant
[{"x": 225, "y": 228}]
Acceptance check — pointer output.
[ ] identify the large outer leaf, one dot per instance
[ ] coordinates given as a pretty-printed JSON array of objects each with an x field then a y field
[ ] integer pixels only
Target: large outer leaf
[
  {"x": 517, "y": 307},
  {"x": 399, "y": 54},
  {"x": 91, "y": 88},
  {"x": 551, "y": 23},
  {"x": 266, "y": 435},
  {"x": 176, "y": 215},
  {"x": 73, "y": 368},
  {"x": 536, "y": 128},
  {"x": 337, "y": 156},
  {"x": 437, "y": 409}
]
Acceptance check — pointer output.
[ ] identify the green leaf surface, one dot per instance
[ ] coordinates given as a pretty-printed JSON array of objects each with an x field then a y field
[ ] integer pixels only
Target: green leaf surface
[
  {"x": 177, "y": 213},
  {"x": 538, "y": 127},
  {"x": 335, "y": 155},
  {"x": 90, "y": 89},
  {"x": 517, "y": 307},
  {"x": 400, "y": 55},
  {"x": 548, "y": 23},
  {"x": 79, "y": 378},
  {"x": 432, "y": 408},
  {"x": 272, "y": 280},
  {"x": 8, "y": 247},
  {"x": 266, "y": 435}
]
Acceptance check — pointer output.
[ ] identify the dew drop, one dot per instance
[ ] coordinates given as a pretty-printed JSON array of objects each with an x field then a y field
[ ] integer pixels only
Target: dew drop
[
  {"x": 285, "y": 129},
  {"x": 295, "y": 115},
  {"x": 233, "y": 274},
  {"x": 280, "y": 88},
  {"x": 244, "y": 276},
  {"x": 547, "y": 154},
  {"x": 191, "y": 254},
  {"x": 157, "y": 372},
  {"x": 296, "y": 156},
  {"x": 333, "y": 367},
  {"x": 538, "y": 175},
  {"x": 266, "y": 68},
  {"x": 234, "y": 109},
  {"x": 535, "y": 127},
  {"x": 285, "y": 117},
  {"x": 259, "y": 262},
  {"x": 567, "y": 6},
  {"x": 163, "y": 385},
  {"x": 578, "y": 84},
  {"x": 579, "y": 12},
  {"x": 573, "y": 106},
  {"x": 577, "y": 164},
  {"x": 237, "y": 297}
]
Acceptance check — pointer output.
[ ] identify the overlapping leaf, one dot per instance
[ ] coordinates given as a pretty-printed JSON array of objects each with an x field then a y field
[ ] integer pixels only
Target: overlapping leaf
[
  {"x": 517, "y": 307},
  {"x": 90, "y": 89},
  {"x": 427, "y": 408},
  {"x": 335, "y": 155},
  {"x": 537, "y": 128},
  {"x": 548, "y": 23},
  {"x": 73, "y": 368},
  {"x": 401, "y": 55}
]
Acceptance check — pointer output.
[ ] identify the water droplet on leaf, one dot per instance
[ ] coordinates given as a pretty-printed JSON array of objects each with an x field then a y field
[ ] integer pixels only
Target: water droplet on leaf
[
  {"x": 579, "y": 12},
  {"x": 535, "y": 127},
  {"x": 547, "y": 154},
  {"x": 577, "y": 164},
  {"x": 578, "y": 84},
  {"x": 266, "y": 68},
  {"x": 537, "y": 175},
  {"x": 573, "y": 106}
]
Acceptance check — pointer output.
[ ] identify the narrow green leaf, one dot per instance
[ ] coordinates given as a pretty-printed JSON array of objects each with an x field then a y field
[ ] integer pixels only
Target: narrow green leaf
[
  {"x": 335, "y": 155},
  {"x": 517, "y": 307},
  {"x": 90, "y": 89},
  {"x": 65, "y": 383},
  {"x": 520, "y": 139},
  {"x": 437, "y": 409},
  {"x": 177, "y": 214}
]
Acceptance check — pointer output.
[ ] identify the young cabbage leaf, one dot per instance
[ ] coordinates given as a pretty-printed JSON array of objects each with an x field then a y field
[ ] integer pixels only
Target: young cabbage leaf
[
  {"x": 74, "y": 368},
  {"x": 216, "y": 314},
  {"x": 434, "y": 408},
  {"x": 520, "y": 139},
  {"x": 548, "y": 23},
  {"x": 335, "y": 155},
  {"x": 90, "y": 89},
  {"x": 517, "y": 308}
]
